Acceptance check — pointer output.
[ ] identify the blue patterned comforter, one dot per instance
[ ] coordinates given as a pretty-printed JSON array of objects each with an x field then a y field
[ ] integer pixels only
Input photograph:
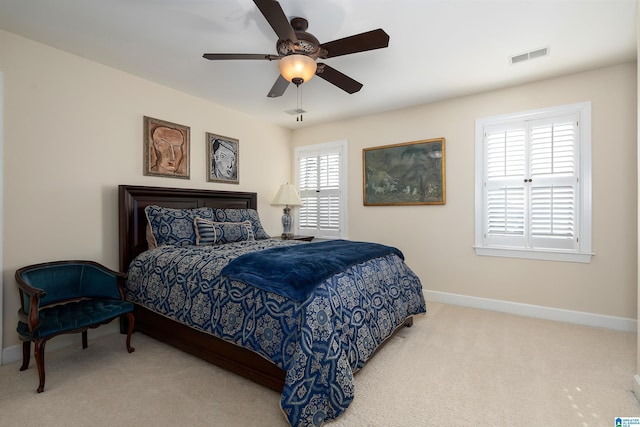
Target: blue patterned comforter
[{"x": 319, "y": 342}]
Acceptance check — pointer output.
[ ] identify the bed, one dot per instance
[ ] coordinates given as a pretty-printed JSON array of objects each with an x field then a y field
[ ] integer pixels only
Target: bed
[{"x": 305, "y": 344}]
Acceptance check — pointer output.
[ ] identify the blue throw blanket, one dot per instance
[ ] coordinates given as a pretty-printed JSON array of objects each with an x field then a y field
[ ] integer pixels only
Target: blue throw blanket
[{"x": 295, "y": 271}]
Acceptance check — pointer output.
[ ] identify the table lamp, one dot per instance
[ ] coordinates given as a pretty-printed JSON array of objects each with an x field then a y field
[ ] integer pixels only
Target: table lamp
[{"x": 287, "y": 196}]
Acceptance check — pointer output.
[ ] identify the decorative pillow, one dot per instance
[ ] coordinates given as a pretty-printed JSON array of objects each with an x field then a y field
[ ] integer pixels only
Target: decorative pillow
[
  {"x": 174, "y": 226},
  {"x": 205, "y": 232},
  {"x": 151, "y": 241},
  {"x": 240, "y": 215},
  {"x": 214, "y": 233}
]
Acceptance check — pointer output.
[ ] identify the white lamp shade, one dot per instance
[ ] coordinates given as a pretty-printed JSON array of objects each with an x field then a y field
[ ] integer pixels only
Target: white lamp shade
[
  {"x": 296, "y": 65},
  {"x": 287, "y": 195}
]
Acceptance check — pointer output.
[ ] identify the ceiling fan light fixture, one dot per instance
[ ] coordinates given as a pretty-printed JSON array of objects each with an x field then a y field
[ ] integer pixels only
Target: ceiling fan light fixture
[{"x": 297, "y": 66}]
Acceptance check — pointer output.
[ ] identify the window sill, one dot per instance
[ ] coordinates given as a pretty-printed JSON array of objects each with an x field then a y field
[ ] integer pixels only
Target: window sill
[{"x": 581, "y": 257}]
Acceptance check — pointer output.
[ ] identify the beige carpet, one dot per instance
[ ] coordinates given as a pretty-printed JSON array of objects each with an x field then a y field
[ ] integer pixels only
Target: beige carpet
[{"x": 455, "y": 367}]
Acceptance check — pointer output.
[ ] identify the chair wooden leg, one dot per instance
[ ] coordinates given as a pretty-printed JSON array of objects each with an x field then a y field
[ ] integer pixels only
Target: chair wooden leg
[
  {"x": 131, "y": 321},
  {"x": 26, "y": 355},
  {"x": 84, "y": 339},
  {"x": 39, "y": 354}
]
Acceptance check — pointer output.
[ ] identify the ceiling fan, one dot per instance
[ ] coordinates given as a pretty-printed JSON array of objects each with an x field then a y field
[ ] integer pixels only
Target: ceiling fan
[{"x": 298, "y": 51}]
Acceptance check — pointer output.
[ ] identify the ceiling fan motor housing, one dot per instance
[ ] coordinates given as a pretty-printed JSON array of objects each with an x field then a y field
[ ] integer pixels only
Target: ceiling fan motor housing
[{"x": 307, "y": 43}]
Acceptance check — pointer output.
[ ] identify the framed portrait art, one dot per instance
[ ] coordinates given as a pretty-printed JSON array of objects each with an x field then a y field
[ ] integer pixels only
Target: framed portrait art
[
  {"x": 166, "y": 148},
  {"x": 222, "y": 159},
  {"x": 412, "y": 173}
]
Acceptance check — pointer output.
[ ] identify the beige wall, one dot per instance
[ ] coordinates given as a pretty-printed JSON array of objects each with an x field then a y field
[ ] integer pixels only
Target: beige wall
[
  {"x": 438, "y": 240},
  {"x": 73, "y": 132}
]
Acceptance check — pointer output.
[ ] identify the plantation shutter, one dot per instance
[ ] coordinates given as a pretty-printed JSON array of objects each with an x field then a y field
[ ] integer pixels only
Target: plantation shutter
[
  {"x": 530, "y": 185},
  {"x": 319, "y": 181},
  {"x": 504, "y": 185},
  {"x": 554, "y": 175}
]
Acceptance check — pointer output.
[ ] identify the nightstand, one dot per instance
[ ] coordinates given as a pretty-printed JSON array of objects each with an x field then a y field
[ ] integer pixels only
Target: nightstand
[{"x": 298, "y": 237}]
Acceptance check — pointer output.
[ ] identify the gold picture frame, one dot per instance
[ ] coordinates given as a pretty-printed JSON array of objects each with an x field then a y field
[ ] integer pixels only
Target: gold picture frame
[
  {"x": 166, "y": 149},
  {"x": 223, "y": 159},
  {"x": 411, "y": 173}
]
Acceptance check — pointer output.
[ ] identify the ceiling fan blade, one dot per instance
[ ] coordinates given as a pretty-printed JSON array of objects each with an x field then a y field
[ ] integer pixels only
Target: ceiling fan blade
[
  {"x": 275, "y": 16},
  {"x": 225, "y": 56},
  {"x": 335, "y": 77},
  {"x": 279, "y": 87},
  {"x": 375, "y": 39}
]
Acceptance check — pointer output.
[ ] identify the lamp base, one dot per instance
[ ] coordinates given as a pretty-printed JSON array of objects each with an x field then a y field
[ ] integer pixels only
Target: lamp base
[{"x": 286, "y": 223}]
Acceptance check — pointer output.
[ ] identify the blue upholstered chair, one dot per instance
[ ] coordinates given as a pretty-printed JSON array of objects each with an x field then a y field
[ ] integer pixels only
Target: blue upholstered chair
[{"x": 65, "y": 297}]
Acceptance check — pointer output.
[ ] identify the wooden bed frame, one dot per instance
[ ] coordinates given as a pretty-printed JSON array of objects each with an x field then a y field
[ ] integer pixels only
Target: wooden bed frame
[{"x": 133, "y": 225}]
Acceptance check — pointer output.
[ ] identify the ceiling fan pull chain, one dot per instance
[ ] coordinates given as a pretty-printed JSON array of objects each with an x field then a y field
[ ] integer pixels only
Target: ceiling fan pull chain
[{"x": 299, "y": 102}]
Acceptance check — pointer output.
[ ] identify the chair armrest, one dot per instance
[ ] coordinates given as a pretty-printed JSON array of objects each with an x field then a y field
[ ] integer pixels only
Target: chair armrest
[
  {"x": 34, "y": 312},
  {"x": 120, "y": 281},
  {"x": 119, "y": 277},
  {"x": 34, "y": 294},
  {"x": 27, "y": 288}
]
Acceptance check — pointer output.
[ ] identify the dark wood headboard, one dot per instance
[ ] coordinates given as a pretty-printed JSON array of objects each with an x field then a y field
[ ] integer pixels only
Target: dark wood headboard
[{"x": 133, "y": 199}]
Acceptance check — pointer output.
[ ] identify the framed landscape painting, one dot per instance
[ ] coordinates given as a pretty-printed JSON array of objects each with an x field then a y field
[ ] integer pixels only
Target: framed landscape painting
[{"x": 411, "y": 173}]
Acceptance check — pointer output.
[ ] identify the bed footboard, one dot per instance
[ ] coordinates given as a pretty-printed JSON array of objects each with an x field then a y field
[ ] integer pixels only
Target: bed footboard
[{"x": 212, "y": 349}]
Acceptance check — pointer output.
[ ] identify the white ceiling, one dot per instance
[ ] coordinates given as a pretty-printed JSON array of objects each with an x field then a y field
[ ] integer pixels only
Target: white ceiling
[{"x": 438, "y": 48}]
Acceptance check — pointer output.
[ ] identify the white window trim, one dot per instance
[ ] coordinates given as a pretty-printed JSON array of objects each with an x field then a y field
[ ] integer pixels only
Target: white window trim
[
  {"x": 342, "y": 144},
  {"x": 584, "y": 254}
]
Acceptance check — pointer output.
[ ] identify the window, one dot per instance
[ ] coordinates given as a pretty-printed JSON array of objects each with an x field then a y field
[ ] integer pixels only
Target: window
[
  {"x": 533, "y": 184},
  {"x": 321, "y": 172}
]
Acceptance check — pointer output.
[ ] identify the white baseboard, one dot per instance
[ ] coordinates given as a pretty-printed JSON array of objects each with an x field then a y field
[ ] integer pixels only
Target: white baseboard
[
  {"x": 578, "y": 317},
  {"x": 14, "y": 353}
]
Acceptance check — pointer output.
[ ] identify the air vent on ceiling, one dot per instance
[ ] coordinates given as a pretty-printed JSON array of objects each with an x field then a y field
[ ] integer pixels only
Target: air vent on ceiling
[{"x": 538, "y": 53}]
